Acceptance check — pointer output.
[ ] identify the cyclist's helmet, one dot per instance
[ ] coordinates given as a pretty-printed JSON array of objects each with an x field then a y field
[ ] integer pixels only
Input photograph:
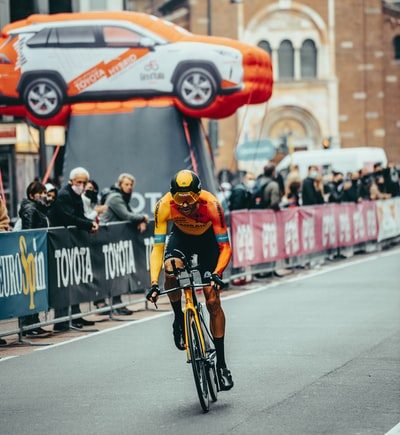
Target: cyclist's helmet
[{"x": 185, "y": 187}]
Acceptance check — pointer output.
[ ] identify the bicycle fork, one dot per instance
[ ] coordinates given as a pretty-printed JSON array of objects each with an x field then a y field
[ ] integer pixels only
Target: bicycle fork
[{"x": 190, "y": 306}]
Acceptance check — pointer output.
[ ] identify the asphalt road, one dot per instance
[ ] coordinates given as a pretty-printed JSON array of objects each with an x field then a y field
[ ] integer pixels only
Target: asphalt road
[{"x": 316, "y": 354}]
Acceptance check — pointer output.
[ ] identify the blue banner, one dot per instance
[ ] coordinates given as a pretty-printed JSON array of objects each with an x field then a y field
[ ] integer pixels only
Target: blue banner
[{"x": 23, "y": 273}]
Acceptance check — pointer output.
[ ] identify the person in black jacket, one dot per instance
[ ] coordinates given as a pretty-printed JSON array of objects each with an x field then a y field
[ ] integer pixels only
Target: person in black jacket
[
  {"x": 68, "y": 211},
  {"x": 311, "y": 192},
  {"x": 352, "y": 188},
  {"x": 334, "y": 188},
  {"x": 33, "y": 214},
  {"x": 241, "y": 195}
]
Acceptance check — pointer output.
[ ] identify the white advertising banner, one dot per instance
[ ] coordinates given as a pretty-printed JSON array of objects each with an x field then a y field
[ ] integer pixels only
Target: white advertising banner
[{"x": 388, "y": 213}]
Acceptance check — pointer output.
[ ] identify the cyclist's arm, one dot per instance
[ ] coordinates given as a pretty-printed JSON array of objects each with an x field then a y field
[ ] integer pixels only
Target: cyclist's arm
[
  {"x": 221, "y": 234},
  {"x": 161, "y": 214}
]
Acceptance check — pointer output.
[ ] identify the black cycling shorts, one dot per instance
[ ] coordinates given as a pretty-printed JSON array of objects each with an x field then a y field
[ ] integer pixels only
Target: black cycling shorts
[{"x": 205, "y": 246}]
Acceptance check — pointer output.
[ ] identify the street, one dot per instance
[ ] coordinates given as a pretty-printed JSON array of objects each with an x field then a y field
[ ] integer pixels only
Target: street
[{"x": 318, "y": 353}]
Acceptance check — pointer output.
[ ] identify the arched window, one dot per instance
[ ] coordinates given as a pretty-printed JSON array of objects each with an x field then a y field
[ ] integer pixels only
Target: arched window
[
  {"x": 396, "y": 46},
  {"x": 286, "y": 60},
  {"x": 308, "y": 59},
  {"x": 266, "y": 46}
]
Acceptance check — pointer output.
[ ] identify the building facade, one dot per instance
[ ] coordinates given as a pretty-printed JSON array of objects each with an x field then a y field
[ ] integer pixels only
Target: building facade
[{"x": 336, "y": 70}]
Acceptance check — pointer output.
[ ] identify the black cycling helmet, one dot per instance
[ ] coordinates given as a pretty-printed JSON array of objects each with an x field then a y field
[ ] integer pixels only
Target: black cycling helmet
[{"x": 185, "y": 187}]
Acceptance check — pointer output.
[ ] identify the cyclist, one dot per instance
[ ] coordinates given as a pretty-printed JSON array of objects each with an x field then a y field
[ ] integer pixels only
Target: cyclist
[{"x": 198, "y": 228}]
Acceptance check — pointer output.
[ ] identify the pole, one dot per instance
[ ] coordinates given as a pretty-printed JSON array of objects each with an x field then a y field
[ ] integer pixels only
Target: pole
[
  {"x": 42, "y": 152},
  {"x": 212, "y": 123},
  {"x": 209, "y": 22}
]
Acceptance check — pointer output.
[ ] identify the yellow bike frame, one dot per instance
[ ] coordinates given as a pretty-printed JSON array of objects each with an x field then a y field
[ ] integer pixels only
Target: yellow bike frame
[{"x": 189, "y": 305}]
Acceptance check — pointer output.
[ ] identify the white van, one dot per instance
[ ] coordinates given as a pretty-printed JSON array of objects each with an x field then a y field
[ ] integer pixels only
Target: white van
[{"x": 338, "y": 159}]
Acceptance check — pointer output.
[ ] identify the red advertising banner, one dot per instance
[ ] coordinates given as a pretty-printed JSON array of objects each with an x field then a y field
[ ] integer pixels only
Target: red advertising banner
[
  {"x": 267, "y": 246},
  {"x": 242, "y": 239},
  {"x": 310, "y": 230},
  {"x": 264, "y": 236},
  {"x": 288, "y": 222}
]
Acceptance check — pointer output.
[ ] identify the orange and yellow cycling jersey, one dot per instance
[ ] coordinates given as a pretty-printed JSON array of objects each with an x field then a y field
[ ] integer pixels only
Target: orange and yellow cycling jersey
[{"x": 207, "y": 214}]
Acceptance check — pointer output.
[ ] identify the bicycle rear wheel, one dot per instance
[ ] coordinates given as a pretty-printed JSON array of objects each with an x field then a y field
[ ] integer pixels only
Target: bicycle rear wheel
[
  {"x": 211, "y": 370},
  {"x": 197, "y": 358}
]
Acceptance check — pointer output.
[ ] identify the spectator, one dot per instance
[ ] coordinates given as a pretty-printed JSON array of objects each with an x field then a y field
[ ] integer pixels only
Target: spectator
[
  {"x": 292, "y": 197},
  {"x": 365, "y": 183},
  {"x": 351, "y": 189},
  {"x": 119, "y": 210},
  {"x": 334, "y": 188},
  {"x": 391, "y": 174},
  {"x": 33, "y": 214},
  {"x": 68, "y": 211},
  {"x": 225, "y": 176},
  {"x": 267, "y": 191},
  {"x": 292, "y": 177},
  {"x": 312, "y": 188},
  {"x": 380, "y": 183},
  {"x": 241, "y": 197},
  {"x": 223, "y": 195},
  {"x": 51, "y": 193},
  {"x": 375, "y": 192},
  {"x": 91, "y": 208},
  {"x": 4, "y": 219}
]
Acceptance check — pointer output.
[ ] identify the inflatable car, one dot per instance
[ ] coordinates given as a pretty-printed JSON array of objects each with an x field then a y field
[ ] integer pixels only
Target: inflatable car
[{"x": 48, "y": 62}]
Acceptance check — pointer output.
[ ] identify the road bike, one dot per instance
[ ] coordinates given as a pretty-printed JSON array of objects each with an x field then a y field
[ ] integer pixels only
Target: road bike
[{"x": 199, "y": 344}]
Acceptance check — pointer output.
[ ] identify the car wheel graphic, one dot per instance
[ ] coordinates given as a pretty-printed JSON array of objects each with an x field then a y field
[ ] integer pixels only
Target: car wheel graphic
[
  {"x": 196, "y": 87},
  {"x": 43, "y": 97}
]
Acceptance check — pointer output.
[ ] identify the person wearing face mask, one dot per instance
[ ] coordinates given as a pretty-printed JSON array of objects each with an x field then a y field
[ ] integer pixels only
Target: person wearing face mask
[
  {"x": 241, "y": 195},
  {"x": 352, "y": 188},
  {"x": 118, "y": 210},
  {"x": 68, "y": 210},
  {"x": 311, "y": 193},
  {"x": 33, "y": 209},
  {"x": 334, "y": 188},
  {"x": 33, "y": 214},
  {"x": 51, "y": 193},
  {"x": 91, "y": 208}
]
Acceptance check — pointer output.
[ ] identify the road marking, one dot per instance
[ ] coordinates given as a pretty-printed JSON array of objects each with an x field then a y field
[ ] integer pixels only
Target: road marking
[
  {"x": 311, "y": 274},
  {"x": 8, "y": 357},
  {"x": 114, "y": 328},
  {"x": 394, "y": 431}
]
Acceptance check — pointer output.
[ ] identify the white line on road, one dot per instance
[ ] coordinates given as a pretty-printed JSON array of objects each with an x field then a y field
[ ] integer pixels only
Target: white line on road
[
  {"x": 394, "y": 431},
  {"x": 245, "y": 293},
  {"x": 8, "y": 357}
]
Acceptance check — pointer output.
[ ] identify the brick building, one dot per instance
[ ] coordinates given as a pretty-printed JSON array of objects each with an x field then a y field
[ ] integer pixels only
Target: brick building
[{"x": 336, "y": 70}]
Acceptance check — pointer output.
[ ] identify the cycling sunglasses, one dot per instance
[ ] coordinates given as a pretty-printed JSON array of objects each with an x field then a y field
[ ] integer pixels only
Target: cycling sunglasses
[{"x": 188, "y": 198}]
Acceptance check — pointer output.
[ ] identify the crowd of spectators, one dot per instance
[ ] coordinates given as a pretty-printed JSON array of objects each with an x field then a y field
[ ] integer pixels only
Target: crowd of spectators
[
  {"x": 77, "y": 203},
  {"x": 270, "y": 190}
]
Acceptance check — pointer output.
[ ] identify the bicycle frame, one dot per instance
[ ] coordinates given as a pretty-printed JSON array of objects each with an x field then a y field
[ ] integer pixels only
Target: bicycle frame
[{"x": 190, "y": 304}]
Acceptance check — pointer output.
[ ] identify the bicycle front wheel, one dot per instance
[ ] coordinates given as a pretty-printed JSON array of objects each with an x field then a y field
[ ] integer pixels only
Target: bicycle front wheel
[
  {"x": 211, "y": 370},
  {"x": 198, "y": 360}
]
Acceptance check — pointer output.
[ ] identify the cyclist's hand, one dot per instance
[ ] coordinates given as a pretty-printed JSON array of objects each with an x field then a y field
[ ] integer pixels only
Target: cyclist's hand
[
  {"x": 153, "y": 293},
  {"x": 216, "y": 281}
]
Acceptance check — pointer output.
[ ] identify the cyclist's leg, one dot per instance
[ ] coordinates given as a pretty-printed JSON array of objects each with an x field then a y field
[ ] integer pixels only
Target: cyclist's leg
[
  {"x": 217, "y": 326},
  {"x": 175, "y": 241},
  {"x": 217, "y": 315},
  {"x": 208, "y": 257}
]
